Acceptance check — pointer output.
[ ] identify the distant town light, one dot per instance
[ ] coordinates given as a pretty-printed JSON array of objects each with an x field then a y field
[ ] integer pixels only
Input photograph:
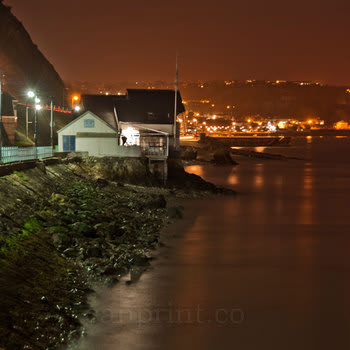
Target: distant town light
[
  {"x": 77, "y": 108},
  {"x": 38, "y": 107},
  {"x": 30, "y": 94},
  {"x": 75, "y": 98}
]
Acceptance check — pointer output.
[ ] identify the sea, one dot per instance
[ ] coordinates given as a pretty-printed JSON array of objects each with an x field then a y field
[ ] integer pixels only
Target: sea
[{"x": 268, "y": 268}]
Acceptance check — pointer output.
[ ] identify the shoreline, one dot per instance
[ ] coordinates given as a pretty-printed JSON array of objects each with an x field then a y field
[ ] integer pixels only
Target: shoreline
[{"x": 67, "y": 228}]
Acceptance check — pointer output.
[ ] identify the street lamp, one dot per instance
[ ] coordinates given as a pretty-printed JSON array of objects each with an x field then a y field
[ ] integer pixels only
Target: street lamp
[
  {"x": 75, "y": 99},
  {"x": 31, "y": 94},
  {"x": 37, "y": 107}
]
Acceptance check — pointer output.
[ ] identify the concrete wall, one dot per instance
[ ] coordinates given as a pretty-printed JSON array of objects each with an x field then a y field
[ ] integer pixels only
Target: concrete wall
[
  {"x": 128, "y": 151},
  {"x": 97, "y": 146}
]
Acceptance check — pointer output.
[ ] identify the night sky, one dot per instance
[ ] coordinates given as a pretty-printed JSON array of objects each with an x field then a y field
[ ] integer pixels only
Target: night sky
[{"x": 111, "y": 40}]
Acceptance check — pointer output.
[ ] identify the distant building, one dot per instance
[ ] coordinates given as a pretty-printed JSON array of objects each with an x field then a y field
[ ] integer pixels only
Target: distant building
[{"x": 9, "y": 119}]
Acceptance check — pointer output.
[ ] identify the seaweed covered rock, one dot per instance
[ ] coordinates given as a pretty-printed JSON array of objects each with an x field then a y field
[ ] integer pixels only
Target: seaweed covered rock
[{"x": 223, "y": 157}]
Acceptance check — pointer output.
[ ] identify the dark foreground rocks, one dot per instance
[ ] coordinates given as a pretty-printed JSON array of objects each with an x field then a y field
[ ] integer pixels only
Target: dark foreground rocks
[{"x": 65, "y": 228}]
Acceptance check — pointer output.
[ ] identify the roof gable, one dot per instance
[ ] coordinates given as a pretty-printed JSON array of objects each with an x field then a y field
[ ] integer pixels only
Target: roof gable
[{"x": 84, "y": 115}]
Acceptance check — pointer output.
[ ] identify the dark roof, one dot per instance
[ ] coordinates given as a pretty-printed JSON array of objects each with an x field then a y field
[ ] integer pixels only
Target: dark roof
[
  {"x": 6, "y": 104},
  {"x": 138, "y": 106}
]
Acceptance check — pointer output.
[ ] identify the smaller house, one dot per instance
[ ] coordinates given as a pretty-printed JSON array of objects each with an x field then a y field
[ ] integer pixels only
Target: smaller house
[{"x": 88, "y": 133}]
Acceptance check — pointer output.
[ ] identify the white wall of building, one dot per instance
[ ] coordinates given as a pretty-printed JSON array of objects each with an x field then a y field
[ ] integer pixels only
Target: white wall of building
[
  {"x": 97, "y": 146},
  {"x": 104, "y": 144}
]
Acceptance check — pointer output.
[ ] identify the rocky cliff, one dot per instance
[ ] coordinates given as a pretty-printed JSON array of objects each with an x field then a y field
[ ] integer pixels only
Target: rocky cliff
[{"x": 22, "y": 63}]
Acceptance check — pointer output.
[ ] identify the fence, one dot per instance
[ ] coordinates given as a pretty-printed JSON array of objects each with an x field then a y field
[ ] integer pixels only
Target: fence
[{"x": 18, "y": 154}]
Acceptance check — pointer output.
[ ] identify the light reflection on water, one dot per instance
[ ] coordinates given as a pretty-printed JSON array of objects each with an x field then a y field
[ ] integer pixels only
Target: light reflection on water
[{"x": 279, "y": 251}]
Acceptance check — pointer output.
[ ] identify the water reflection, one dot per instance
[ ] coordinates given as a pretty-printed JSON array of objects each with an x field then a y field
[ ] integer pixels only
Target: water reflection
[
  {"x": 308, "y": 201},
  {"x": 233, "y": 179},
  {"x": 195, "y": 169},
  {"x": 259, "y": 176}
]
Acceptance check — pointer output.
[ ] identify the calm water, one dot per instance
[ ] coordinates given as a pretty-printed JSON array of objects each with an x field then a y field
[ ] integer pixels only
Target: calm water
[{"x": 268, "y": 269}]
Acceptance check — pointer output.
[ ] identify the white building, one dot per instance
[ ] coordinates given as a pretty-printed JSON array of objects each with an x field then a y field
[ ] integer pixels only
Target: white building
[{"x": 88, "y": 133}]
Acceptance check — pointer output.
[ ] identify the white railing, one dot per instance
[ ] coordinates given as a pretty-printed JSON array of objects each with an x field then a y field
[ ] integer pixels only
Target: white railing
[{"x": 18, "y": 154}]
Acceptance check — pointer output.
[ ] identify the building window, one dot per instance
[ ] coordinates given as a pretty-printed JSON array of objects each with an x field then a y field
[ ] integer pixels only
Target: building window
[{"x": 89, "y": 123}]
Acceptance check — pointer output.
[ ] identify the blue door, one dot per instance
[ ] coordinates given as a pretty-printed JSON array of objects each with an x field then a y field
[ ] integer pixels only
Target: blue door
[{"x": 68, "y": 143}]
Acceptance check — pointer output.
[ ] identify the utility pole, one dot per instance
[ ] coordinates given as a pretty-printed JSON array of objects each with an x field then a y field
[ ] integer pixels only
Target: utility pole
[
  {"x": 175, "y": 104},
  {"x": 27, "y": 120}
]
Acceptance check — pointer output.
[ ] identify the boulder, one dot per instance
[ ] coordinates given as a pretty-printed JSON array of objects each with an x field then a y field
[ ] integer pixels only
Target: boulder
[
  {"x": 174, "y": 213},
  {"x": 188, "y": 153},
  {"x": 223, "y": 156}
]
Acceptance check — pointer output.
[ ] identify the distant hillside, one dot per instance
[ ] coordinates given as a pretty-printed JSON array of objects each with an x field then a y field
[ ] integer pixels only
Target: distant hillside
[{"x": 23, "y": 65}]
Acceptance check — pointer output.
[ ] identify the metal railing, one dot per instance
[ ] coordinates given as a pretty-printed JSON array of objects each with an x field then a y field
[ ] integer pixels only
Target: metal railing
[
  {"x": 155, "y": 151},
  {"x": 155, "y": 145},
  {"x": 18, "y": 154}
]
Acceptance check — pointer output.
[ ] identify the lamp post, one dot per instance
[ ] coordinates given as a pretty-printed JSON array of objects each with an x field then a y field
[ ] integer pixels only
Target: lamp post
[
  {"x": 51, "y": 123},
  {"x": 75, "y": 99},
  {"x": 37, "y": 107}
]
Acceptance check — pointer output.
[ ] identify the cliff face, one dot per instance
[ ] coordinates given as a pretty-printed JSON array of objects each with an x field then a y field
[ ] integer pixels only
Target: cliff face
[{"x": 23, "y": 65}]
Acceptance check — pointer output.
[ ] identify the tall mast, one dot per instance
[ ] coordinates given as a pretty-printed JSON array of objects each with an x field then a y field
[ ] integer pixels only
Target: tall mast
[{"x": 175, "y": 104}]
